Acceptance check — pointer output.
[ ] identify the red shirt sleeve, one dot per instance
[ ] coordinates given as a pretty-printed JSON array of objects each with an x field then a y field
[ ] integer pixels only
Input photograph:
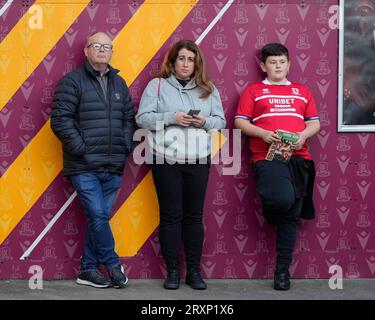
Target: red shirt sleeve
[
  {"x": 245, "y": 107},
  {"x": 311, "y": 112}
]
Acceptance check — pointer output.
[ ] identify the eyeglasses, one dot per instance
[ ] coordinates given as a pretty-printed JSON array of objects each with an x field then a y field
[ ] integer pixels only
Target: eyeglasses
[{"x": 98, "y": 46}]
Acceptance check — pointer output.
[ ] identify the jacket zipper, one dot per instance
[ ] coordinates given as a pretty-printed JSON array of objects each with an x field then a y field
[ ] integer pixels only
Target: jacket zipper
[{"x": 109, "y": 104}]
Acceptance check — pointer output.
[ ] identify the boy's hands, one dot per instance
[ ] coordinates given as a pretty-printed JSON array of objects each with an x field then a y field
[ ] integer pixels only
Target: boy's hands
[
  {"x": 270, "y": 136},
  {"x": 300, "y": 142}
]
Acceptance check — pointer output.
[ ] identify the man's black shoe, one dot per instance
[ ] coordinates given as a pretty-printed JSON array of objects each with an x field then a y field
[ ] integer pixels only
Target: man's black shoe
[
  {"x": 281, "y": 280},
  {"x": 194, "y": 280},
  {"x": 118, "y": 277},
  {"x": 173, "y": 280},
  {"x": 94, "y": 279}
]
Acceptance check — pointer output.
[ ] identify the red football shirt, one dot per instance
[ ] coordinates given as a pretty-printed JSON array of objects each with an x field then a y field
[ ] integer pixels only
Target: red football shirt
[{"x": 273, "y": 107}]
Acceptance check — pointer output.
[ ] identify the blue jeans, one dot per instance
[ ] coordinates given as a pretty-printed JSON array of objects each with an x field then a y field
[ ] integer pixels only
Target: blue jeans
[{"x": 96, "y": 192}]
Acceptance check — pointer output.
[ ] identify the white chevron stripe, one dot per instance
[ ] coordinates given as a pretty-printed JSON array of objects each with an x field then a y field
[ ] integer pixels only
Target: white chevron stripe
[
  {"x": 49, "y": 226},
  {"x": 5, "y": 7},
  {"x": 213, "y": 22}
]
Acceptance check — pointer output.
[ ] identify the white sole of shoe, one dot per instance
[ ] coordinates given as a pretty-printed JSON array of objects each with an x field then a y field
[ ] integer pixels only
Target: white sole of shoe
[
  {"x": 126, "y": 280},
  {"x": 91, "y": 284},
  {"x": 123, "y": 285}
]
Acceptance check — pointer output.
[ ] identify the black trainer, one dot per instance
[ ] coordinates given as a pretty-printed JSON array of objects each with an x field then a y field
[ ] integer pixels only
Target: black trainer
[
  {"x": 281, "y": 280},
  {"x": 172, "y": 282},
  {"x": 118, "y": 277},
  {"x": 194, "y": 280},
  {"x": 94, "y": 279}
]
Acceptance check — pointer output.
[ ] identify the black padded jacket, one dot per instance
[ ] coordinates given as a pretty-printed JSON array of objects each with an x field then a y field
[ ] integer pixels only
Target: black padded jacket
[{"x": 96, "y": 132}]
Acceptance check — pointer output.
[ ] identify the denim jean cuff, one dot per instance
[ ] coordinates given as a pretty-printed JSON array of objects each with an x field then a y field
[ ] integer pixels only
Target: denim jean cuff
[
  {"x": 88, "y": 269},
  {"x": 117, "y": 264}
]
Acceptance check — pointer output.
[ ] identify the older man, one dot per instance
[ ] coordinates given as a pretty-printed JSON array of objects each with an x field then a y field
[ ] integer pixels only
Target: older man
[{"x": 93, "y": 116}]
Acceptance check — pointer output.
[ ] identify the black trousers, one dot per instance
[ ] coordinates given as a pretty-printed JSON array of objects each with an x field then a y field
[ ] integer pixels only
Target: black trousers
[
  {"x": 275, "y": 187},
  {"x": 181, "y": 190}
]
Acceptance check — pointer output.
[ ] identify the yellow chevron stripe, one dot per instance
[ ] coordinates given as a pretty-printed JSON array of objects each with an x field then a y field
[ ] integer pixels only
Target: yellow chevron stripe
[
  {"x": 27, "y": 178},
  {"x": 26, "y": 46},
  {"x": 137, "y": 218},
  {"x": 157, "y": 20},
  {"x": 10, "y": 213}
]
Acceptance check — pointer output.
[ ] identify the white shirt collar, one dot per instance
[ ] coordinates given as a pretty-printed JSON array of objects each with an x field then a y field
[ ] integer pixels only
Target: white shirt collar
[{"x": 266, "y": 81}]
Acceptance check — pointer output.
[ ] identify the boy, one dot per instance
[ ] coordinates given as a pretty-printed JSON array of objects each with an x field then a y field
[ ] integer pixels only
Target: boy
[{"x": 264, "y": 107}]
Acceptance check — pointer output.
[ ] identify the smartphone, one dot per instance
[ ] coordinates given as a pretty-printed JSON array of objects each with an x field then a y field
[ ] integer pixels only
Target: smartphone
[{"x": 193, "y": 112}]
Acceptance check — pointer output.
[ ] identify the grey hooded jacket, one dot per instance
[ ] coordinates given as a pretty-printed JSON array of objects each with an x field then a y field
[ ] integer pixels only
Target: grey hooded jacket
[{"x": 161, "y": 99}]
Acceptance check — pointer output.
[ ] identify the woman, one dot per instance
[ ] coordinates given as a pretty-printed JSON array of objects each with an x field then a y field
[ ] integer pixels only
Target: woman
[{"x": 179, "y": 107}]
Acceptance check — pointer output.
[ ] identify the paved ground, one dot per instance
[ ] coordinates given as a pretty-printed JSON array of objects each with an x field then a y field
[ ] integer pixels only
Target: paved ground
[{"x": 225, "y": 290}]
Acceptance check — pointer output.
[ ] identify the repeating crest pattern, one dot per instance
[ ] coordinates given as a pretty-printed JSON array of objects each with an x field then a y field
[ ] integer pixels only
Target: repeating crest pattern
[{"x": 238, "y": 241}]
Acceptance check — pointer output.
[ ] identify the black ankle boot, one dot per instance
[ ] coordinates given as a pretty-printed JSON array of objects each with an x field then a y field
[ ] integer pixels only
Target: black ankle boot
[
  {"x": 172, "y": 282},
  {"x": 194, "y": 280},
  {"x": 281, "y": 280}
]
